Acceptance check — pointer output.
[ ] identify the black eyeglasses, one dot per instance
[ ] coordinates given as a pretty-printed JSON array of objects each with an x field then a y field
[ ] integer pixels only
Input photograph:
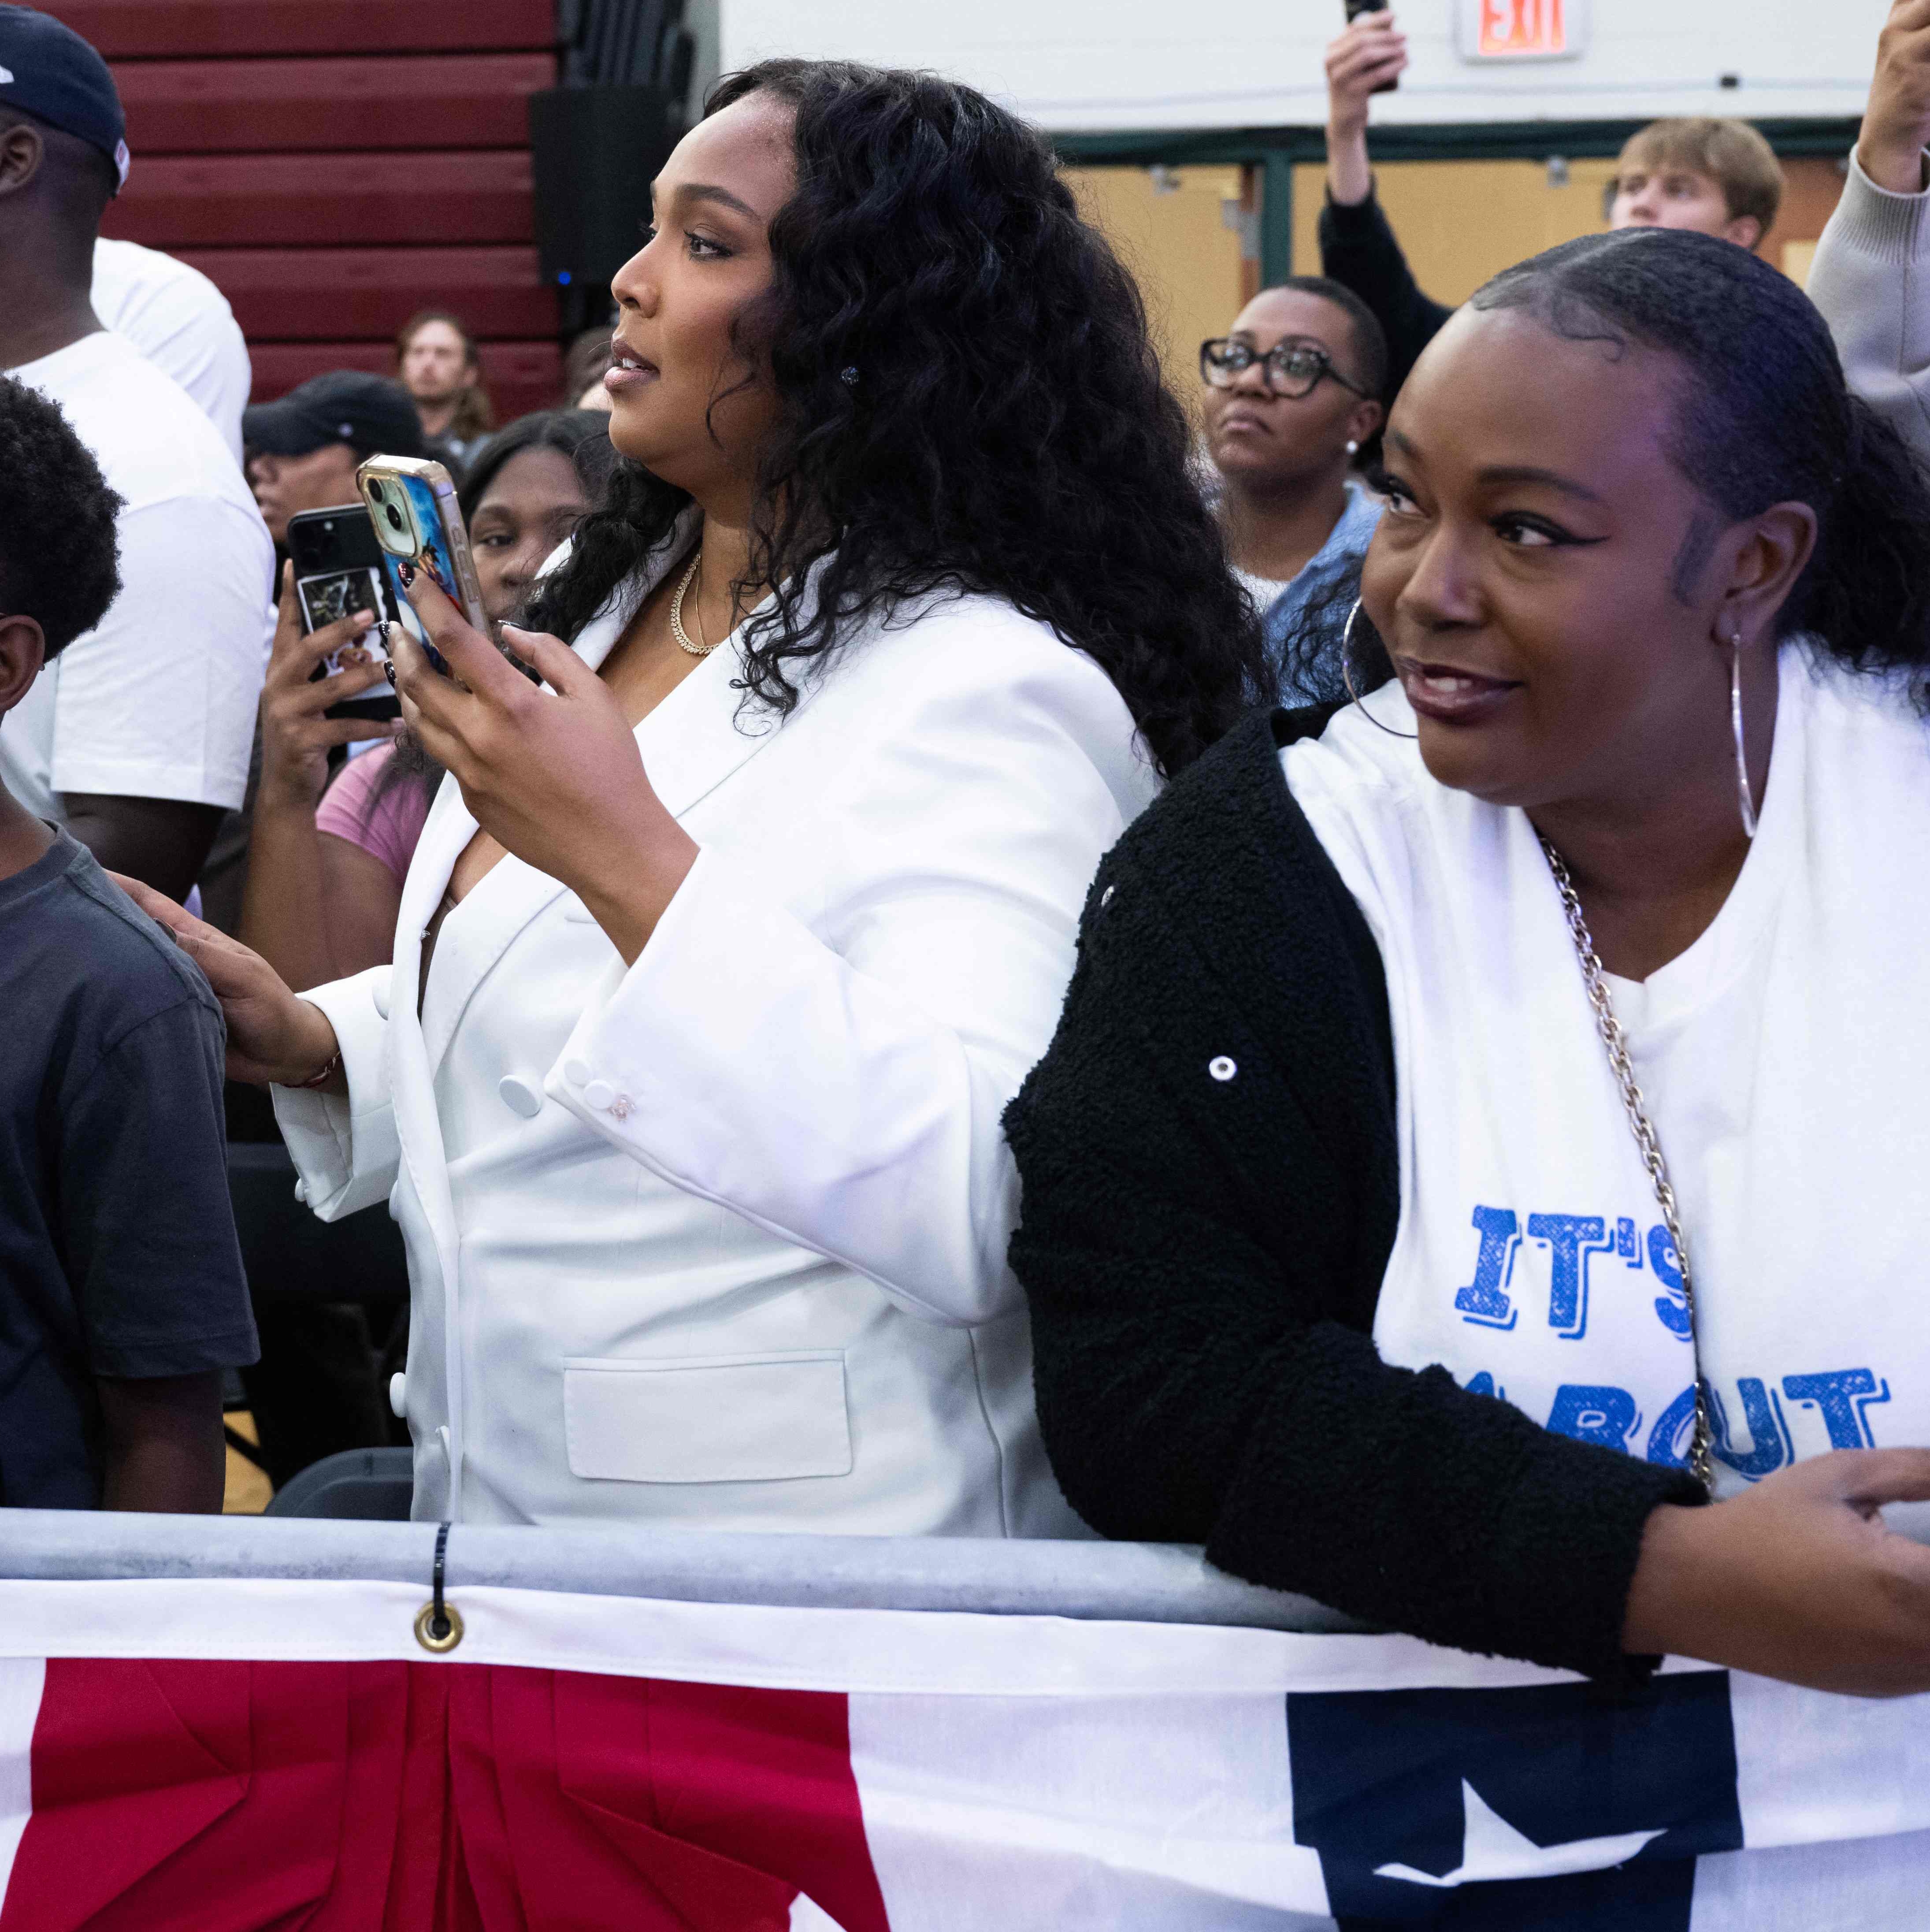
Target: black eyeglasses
[{"x": 1293, "y": 368}]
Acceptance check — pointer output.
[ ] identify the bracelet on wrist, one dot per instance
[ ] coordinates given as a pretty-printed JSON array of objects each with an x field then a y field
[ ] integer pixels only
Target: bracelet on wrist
[{"x": 328, "y": 1072}]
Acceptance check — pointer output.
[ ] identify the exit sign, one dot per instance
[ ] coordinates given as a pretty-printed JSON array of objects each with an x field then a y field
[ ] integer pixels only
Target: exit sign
[{"x": 1522, "y": 30}]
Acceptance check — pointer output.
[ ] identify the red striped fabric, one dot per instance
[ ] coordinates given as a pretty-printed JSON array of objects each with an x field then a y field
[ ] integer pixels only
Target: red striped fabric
[{"x": 229, "y": 1796}]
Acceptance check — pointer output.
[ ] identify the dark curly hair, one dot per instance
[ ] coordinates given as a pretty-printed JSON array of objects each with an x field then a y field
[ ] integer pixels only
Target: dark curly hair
[
  {"x": 582, "y": 436},
  {"x": 1006, "y": 431},
  {"x": 1763, "y": 415},
  {"x": 59, "y": 554}
]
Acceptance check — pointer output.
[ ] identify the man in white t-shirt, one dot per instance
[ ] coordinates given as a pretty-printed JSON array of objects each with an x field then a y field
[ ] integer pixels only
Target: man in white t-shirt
[
  {"x": 138, "y": 740},
  {"x": 181, "y": 322}
]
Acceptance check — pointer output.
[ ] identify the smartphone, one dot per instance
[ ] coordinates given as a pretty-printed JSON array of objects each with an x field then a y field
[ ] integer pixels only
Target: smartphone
[
  {"x": 1355, "y": 8},
  {"x": 411, "y": 507},
  {"x": 338, "y": 570}
]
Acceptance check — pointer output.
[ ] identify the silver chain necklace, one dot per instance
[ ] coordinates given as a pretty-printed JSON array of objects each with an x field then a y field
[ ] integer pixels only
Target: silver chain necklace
[{"x": 1700, "y": 1463}]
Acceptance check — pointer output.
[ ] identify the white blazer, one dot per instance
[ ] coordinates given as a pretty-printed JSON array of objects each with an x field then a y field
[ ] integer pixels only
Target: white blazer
[{"x": 719, "y": 1239}]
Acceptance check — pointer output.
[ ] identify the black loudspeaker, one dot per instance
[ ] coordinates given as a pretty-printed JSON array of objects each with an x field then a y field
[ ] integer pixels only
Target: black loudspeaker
[{"x": 594, "y": 152}]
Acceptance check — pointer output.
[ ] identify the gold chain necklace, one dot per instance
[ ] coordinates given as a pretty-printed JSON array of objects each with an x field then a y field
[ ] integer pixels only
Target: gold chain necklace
[
  {"x": 1593, "y": 978},
  {"x": 677, "y": 631}
]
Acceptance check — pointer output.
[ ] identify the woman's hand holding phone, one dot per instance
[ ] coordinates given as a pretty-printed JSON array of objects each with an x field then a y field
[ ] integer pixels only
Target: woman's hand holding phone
[
  {"x": 296, "y": 738},
  {"x": 552, "y": 774}
]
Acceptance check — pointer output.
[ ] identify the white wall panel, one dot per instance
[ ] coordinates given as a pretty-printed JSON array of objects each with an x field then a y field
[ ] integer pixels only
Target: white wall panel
[{"x": 1072, "y": 65}]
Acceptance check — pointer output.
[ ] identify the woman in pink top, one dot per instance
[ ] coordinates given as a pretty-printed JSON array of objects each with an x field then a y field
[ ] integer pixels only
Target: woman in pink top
[
  {"x": 325, "y": 867},
  {"x": 378, "y": 805}
]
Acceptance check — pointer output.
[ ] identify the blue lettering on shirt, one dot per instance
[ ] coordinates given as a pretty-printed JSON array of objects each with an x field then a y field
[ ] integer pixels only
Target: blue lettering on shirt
[
  {"x": 1593, "y": 1413},
  {"x": 1669, "y": 1440},
  {"x": 1484, "y": 1300},
  {"x": 1572, "y": 1240},
  {"x": 1768, "y": 1448},
  {"x": 1671, "y": 1308},
  {"x": 1844, "y": 1396}
]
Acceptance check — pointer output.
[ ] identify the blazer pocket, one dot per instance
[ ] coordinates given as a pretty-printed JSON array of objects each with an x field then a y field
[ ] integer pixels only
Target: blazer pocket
[{"x": 707, "y": 1418}]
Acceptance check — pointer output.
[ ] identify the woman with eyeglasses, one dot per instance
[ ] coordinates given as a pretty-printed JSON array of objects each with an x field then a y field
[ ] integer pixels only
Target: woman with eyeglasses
[
  {"x": 1291, "y": 396},
  {"x": 1481, "y": 1177}
]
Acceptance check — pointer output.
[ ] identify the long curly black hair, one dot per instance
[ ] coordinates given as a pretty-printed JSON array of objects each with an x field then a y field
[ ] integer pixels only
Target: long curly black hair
[{"x": 1006, "y": 431}]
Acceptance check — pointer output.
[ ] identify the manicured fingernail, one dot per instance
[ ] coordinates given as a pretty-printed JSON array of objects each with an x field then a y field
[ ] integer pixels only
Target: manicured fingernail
[
  {"x": 389, "y": 672},
  {"x": 406, "y": 572}
]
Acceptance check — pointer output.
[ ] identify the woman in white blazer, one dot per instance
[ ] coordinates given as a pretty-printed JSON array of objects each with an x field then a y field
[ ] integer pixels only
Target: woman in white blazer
[{"x": 718, "y": 965}]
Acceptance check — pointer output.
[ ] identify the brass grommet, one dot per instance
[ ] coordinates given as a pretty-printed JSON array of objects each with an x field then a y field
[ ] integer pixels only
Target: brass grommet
[{"x": 425, "y": 1628}]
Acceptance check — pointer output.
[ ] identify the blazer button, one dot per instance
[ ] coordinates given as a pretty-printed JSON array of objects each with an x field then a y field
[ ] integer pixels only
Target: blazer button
[
  {"x": 598, "y": 1094},
  {"x": 520, "y": 1096},
  {"x": 1221, "y": 1067},
  {"x": 398, "y": 1394},
  {"x": 576, "y": 1072}
]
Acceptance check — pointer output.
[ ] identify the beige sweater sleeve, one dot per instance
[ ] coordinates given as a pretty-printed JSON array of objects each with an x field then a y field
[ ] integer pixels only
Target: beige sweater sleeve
[{"x": 1871, "y": 281}]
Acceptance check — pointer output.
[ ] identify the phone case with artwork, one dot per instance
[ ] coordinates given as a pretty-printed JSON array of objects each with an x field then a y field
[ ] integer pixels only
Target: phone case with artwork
[{"x": 411, "y": 504}]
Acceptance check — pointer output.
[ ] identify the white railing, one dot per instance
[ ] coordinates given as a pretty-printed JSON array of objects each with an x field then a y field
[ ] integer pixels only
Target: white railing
[{"x": 1126, "y": 1582}]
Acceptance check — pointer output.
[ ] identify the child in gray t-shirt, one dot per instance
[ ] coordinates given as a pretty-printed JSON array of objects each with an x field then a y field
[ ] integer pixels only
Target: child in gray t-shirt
[{"x": 121, "y": 1294}]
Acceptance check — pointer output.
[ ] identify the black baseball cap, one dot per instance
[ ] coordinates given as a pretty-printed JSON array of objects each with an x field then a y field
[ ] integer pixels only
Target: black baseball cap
[
  {"x": 373, "y": 416},
  {"x": 46, "y": 70}
]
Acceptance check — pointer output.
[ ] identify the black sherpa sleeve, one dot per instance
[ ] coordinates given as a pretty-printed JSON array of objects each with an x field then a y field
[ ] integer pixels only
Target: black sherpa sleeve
[
  {"x": 1179, "y": 1240},
  {"x": 1359, "y": 250}
]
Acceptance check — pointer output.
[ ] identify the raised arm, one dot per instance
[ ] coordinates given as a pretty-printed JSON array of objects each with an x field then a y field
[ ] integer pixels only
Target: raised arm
[
  {"x": 1870, "y": 277},
  {"x": 1358, "y": 248},
  {"x": 290, "y": 913},
  {"x": 1896, "y": 119},
  {"x": 1367, "y": 58}
]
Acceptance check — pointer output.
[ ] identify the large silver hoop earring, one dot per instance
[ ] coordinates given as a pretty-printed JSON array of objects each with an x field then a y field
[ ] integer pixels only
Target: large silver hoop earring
[
  {"x": 1744, "y": 796},
  {"x": 1347, "y": 678}
]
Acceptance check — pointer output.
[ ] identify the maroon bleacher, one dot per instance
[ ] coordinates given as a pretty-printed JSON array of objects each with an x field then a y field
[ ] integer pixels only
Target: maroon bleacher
[
  {"x": 335, "y": 165},
  {"x": 405, "y": 100}
]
